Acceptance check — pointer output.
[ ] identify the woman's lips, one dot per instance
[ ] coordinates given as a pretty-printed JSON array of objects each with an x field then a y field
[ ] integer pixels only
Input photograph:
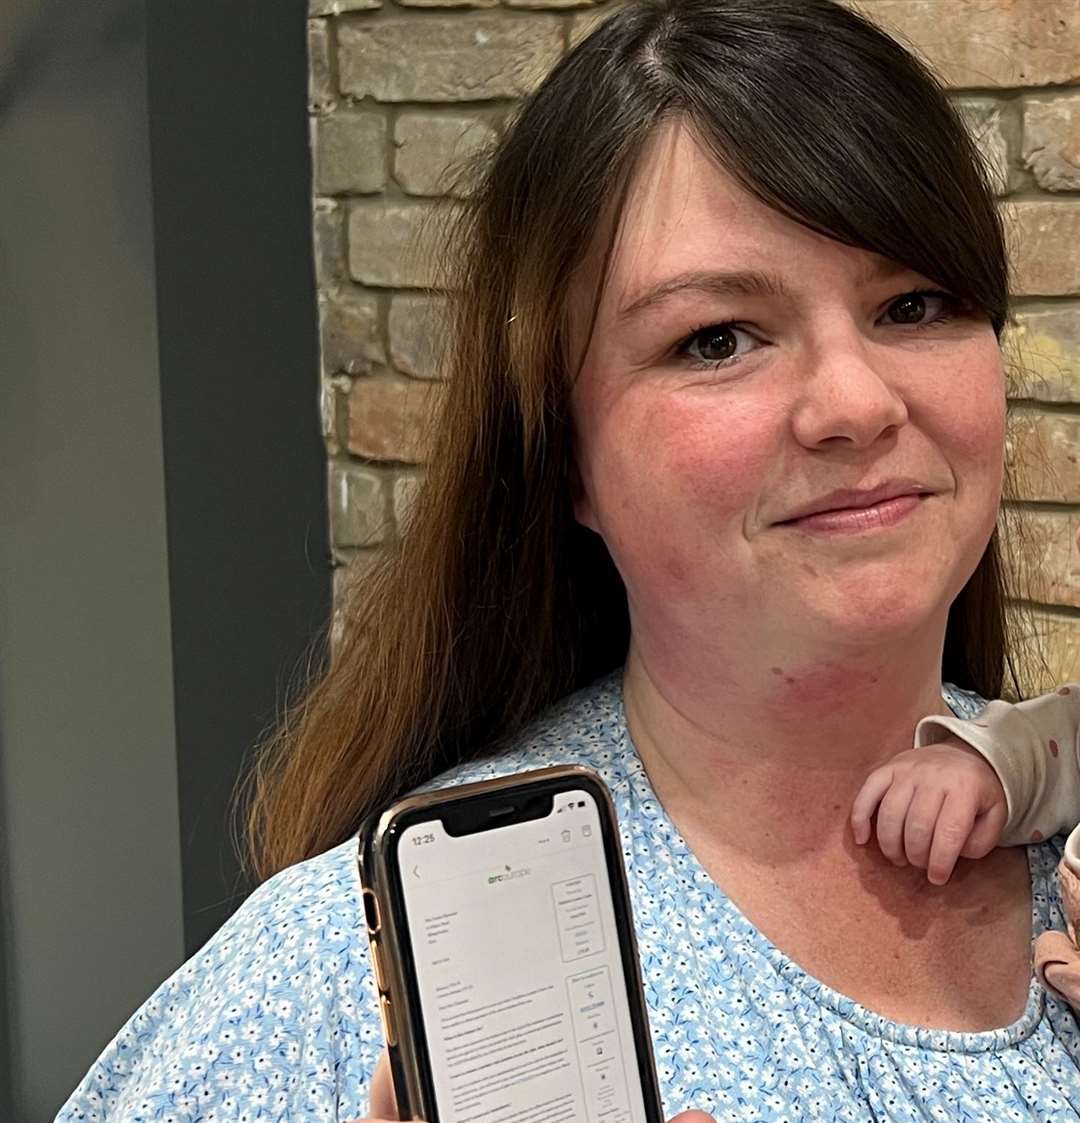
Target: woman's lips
[{"x": 855, "y": 520}]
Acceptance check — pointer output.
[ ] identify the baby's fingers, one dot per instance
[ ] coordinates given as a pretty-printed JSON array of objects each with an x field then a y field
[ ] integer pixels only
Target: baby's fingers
[
  {"x": 987, "y": 831},
  {"x": 862, "y": 810},
  {"x": 919, "y": 824},
  {"x": 953, "y": 830},
  {"x": 890, "y": 821}
]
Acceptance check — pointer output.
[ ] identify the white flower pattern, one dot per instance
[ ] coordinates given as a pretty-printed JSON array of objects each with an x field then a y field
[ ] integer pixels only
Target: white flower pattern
[{"x": 275, "y": 1019}]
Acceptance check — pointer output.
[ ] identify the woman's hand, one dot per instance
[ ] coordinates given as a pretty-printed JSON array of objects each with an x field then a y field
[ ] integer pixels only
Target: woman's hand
[
  {"x": 934, "y": 805},
  {"x": 383, "y": 1108},
  {"x": 381, "y": 1102}
]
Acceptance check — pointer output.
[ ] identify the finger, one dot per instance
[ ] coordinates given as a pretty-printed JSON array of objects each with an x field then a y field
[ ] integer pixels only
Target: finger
[
  {"x": 987, "y": 832},
  {"x": 862, "y": 810},
  {"x": 954, "y": 825},
  {"x": 692, "y": 1117},
  {"x": 890, "y": 822},
  {"x": 381, "y": 1104},
  {"x": 919, "y": 824}
]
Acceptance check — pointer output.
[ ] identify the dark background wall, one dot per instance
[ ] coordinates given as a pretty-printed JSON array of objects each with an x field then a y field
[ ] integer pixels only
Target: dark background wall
[
  {"x": 163, "y": 556},
  {"x": 237, "y": 327}
]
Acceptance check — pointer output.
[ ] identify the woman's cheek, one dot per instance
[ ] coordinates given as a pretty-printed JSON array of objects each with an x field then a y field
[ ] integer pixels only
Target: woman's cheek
[
  {"x": 720, "y": 448},
  {"x": 975, "y": 433},
  {"x": 679, "y": 481},
  {"x": 978, "y": 432}
]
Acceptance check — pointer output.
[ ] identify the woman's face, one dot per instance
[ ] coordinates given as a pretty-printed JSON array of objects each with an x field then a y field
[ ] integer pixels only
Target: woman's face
[{"x": 744, "y": 373}]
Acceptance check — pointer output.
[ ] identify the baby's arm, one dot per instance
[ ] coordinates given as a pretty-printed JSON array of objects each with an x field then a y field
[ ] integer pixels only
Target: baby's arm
[
  {"x": 1013, "y": 766},
  {"x": 1032, "y": 747}
]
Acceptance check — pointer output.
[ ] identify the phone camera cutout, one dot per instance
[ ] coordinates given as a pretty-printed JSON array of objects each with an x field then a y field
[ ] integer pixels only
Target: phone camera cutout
[{"x": 371, "y": 912}]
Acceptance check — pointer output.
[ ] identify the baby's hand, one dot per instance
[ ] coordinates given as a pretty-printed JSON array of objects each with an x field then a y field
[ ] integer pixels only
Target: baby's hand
[{"x": 934, "y": 805}]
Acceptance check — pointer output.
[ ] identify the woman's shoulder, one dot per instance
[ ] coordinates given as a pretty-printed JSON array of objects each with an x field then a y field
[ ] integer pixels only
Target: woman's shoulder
[
  {"x": 587, "y": 727},
  {"x": 277, "y": 1012},
  {"x": 963, "y": 703}
]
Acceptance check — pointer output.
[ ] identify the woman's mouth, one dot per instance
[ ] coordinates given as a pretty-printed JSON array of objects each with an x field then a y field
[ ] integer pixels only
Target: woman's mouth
[{"x": 859, "y": 519}]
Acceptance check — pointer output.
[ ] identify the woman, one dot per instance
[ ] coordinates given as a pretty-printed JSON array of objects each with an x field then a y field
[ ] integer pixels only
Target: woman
[{"x": 719, "y": 477}]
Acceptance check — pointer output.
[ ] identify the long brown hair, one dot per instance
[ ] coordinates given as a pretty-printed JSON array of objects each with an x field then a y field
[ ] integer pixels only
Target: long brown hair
[{"x": 496, "y": 603}]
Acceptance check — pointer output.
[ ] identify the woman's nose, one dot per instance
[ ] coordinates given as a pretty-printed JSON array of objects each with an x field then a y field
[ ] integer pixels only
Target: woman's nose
[{"x": 846, "y": 400}]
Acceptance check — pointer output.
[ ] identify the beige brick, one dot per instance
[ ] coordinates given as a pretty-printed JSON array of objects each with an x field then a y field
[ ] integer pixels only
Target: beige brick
[
  {"x": 1050, "y": 555},
  {"x": 350, "y": 153},
  {"x": 406, "y": 489},
  {"x": 337, "y": 614},
  {"x": 1052, "y": 141},
  {"x": 327, "y": 409},
  {"x": 550, "y": 3},
  {"x": 985, "y": 120},
  {"x": 353, "y": 569},
  {"x": 1050, "y": 638},
  {"x": 336, "y": 7},
  {"x": 1043, "y": 237},
  {"x": 1044, "y": 451},
  {"x": 340, "y": 578},
  {"x": 328, "y": 242},
  {"x": 987, "y": 43},
  {"x": 353, "y": 566},
  {"x": 349, "y": 332},
  {"x": 416, "y": 328},
  {"x": 320, "y": 69},
  {"x": 431, "y": 150},
  {"x": 448, "y": 3},
  {"x": 1043, "y": 349},
  {"x": 334, "y": 408},
  {"x": 581, "y": 26},
  {"x": 392, "y": 420},
  {"x": 464, "y": 58},
  {"x": 393, "y": 244},
  {"x": 359, "y": 515}
]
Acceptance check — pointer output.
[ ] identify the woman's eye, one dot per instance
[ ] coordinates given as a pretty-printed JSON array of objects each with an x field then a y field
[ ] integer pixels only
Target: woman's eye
[
  {"x": 717, "y": 345},
  {"x": 714, "y": 345},
  {"x": 921, "y": 308}
]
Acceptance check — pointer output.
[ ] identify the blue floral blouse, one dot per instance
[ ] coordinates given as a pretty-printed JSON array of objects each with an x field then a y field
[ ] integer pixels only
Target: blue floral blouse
[{"x": 275, "y": 1019}]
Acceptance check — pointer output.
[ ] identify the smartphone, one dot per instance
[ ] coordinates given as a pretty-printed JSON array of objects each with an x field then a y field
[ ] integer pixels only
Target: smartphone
[{"x": 503, "y": 949}]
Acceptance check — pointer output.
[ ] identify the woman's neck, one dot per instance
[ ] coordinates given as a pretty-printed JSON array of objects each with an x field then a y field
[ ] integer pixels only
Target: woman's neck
[{"x": 782, "y": 750}]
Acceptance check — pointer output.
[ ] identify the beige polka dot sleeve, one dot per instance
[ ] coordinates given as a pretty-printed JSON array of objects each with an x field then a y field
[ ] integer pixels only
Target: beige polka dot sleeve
[{"x": 1033, "y": 748}]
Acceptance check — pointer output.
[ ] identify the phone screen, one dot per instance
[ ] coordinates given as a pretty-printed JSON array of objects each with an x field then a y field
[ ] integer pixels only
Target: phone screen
[{"x": 519, "y": 970}]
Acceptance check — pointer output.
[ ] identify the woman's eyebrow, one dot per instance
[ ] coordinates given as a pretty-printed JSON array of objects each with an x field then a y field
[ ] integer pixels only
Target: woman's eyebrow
[
  {"x": 743, "y": 283},
  {"x": 750, "y": 282}
]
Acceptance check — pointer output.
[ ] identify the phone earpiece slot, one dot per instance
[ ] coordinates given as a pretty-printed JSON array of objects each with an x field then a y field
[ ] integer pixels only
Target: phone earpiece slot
[{"x": 471, "y": 816}]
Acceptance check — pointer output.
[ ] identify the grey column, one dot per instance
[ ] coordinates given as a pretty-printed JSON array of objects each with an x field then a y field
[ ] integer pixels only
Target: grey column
[{"x": 89, "y": 829}]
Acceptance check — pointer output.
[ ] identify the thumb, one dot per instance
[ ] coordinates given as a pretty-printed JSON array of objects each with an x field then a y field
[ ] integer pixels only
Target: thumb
[
  {"x": 692, "y": 1117},
  {"x": 381, "y": 1102}
]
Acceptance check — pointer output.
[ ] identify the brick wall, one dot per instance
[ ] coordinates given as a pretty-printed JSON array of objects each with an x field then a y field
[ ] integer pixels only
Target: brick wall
[{"x": 401, "y": 90}]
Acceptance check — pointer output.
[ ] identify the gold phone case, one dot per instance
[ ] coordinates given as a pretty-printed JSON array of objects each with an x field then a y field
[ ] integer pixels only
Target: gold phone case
[{"x": 383, "y": 911}]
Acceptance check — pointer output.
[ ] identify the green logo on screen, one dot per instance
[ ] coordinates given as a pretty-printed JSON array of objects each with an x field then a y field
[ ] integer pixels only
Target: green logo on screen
[{"x": 508, "y": 874}]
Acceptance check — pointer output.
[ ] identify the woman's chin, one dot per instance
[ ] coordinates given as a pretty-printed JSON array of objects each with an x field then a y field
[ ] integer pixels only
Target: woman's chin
[{"x": 872, "y": 612}]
